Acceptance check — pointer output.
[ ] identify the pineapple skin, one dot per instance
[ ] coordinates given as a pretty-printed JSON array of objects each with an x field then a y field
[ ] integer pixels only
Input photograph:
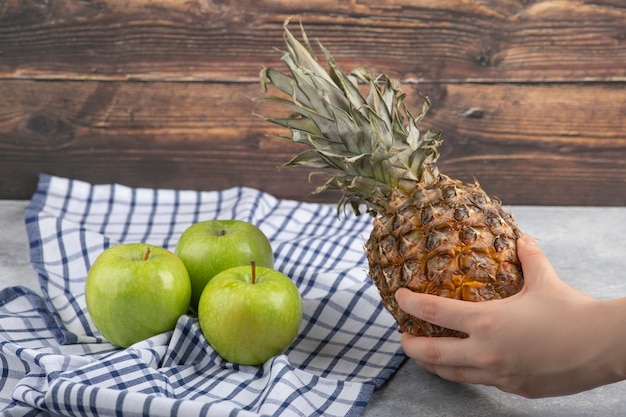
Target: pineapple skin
[{"x": 446, "y": 238}]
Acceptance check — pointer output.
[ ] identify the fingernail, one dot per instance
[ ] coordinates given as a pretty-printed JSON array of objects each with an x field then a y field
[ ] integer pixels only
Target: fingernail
[{"x": 529, "y": 240}]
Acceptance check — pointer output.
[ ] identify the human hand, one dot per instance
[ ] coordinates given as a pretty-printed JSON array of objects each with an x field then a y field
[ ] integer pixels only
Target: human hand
[{"x": 547, "y": 340}]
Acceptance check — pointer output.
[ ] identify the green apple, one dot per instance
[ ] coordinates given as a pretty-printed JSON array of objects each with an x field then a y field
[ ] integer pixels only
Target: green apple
[
  {"x": 135, "y": 291},
  {"x": 212, "y": 246},
  {"x": 249, "y": 314}
]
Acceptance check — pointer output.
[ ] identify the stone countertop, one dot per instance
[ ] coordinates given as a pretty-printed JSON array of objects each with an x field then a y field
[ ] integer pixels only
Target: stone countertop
[{"x": 587, "y": 246}]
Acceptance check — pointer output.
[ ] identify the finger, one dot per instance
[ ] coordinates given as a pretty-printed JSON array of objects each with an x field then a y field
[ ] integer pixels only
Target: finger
[
  {"x": 442, "y": 311},
  {"x": 539, "y": 273},
  {"x": 463, "y": 374},
  {"x": 433, "y": 352},
  {"x": 452, "y": 373},
  {"x": 453, "y": 365},
  {"x": 535, "y": 263},
  {"x": 477, "y": 375}
]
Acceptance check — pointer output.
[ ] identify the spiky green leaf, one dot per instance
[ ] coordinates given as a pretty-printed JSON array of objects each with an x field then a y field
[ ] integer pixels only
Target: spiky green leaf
[{"x": 372, "y": 143}]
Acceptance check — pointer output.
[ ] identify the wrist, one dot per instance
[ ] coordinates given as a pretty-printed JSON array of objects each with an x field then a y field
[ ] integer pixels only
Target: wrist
[{"x": 612, "y": 321}]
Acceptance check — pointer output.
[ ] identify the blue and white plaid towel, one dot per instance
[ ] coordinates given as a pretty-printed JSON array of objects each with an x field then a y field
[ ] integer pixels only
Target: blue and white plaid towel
[{"x": 54, "y": 362}]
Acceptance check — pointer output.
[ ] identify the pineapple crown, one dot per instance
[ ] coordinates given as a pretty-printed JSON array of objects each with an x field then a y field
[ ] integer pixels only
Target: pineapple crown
[{"x": 372, "y": 142}]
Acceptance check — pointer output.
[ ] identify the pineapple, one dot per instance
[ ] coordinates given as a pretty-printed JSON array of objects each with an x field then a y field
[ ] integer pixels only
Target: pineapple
[{"x": 431, "y": 233}]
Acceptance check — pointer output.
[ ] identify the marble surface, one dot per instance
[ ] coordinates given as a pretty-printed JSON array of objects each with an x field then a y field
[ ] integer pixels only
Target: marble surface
[{"x": 587, "y": 246}]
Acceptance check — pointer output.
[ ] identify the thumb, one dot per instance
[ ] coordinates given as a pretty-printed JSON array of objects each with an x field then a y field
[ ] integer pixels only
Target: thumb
[{"x": 535, "y": 263}]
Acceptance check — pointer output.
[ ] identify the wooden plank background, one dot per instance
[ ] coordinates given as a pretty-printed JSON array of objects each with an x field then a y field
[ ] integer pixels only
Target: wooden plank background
[{"x": 531, "y": 95}]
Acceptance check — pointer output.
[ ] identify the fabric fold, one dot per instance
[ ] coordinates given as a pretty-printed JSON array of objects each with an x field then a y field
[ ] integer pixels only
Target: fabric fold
[{"x": 55, "y": 362}]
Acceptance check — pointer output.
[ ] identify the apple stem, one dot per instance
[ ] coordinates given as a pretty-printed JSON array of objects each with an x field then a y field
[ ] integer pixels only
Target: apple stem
[
  {"x": 253, "y": 265},
  {"x": 147, "y": 255}
]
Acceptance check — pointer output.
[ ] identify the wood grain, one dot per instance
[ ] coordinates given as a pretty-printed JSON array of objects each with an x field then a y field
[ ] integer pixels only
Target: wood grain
[
  {"x": 450, "y": 41},
  {"x": 529, "y": 94}
]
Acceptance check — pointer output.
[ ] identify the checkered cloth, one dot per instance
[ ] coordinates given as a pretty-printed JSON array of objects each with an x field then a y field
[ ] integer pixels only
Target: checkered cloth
[{"x": 53, "y": 361}]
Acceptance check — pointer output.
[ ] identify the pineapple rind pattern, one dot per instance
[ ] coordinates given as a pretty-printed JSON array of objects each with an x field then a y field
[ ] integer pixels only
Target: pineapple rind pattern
[{"x": 449, "y": 239}]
